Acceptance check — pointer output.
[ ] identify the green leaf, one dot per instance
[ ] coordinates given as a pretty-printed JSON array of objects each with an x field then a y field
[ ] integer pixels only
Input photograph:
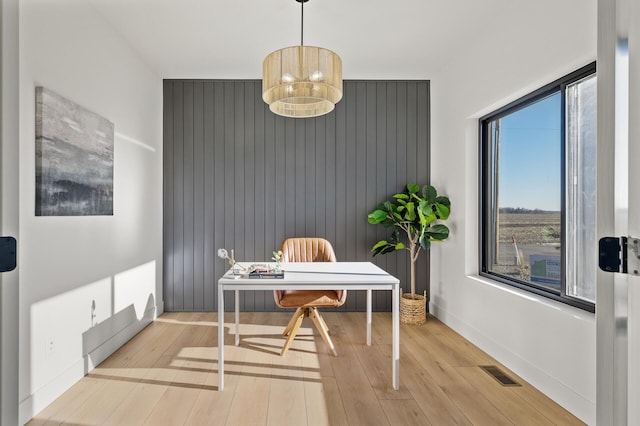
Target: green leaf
[
  {"x": 413, "y": 188},
  {"x": 421, "y": 216},
  {"x": 410, "y": 214},
  {"x": 429, "y": 216},
  {"x": 379, "y": 244},
  {"x": 442, "y": 211},
  {"x": 401, "y": 196},
  {"x": 388, "y": 249},
  {"x": 400, "y": 246},
  {"x": 383, "y": 247},
  {"x": 424, "y": 243},
  {"x": 437, "y": 232},
  {"x": 388, "y": 222},
  {"x": 429, "y": 193},
  {"x": 376, "y": 216},
  {"x": 443, "y": 200},
  {"x": 380, "y": 247},
  {"x": 376, "y": 252}
]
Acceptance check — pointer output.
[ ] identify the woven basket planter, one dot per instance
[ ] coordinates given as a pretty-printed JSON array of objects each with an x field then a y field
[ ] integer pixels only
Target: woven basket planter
[{"x": 413, "y": 311}]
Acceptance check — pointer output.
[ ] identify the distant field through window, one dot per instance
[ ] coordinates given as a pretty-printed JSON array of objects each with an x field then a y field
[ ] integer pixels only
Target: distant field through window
[{"x": 537, "y": 193}]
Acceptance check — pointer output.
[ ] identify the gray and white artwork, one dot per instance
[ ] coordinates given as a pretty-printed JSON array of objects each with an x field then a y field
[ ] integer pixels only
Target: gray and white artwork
[{"x": 74, "y": 158}]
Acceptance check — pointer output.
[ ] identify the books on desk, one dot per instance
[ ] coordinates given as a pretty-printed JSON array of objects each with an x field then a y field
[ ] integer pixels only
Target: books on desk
[{"x": 264, "y": 272}]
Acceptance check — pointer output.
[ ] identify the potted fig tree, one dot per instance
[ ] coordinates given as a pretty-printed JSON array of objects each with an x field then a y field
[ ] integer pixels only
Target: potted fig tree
[{"x": 416, "y": 216}]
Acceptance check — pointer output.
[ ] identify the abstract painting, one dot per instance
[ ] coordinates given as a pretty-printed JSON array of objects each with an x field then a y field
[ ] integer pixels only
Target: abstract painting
[{"x": 74, "y": 158}]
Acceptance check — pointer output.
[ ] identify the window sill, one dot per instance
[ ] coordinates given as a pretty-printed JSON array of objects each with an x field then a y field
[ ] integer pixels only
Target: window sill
[{"x": 576, "y": 312}]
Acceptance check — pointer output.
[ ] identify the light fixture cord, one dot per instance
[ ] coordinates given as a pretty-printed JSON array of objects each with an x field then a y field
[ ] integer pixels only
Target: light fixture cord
[{"x": 302, "y": 23}]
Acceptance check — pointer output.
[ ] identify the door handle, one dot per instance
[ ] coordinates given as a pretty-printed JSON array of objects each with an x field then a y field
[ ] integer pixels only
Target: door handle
[{"x": 8, "y": 254}]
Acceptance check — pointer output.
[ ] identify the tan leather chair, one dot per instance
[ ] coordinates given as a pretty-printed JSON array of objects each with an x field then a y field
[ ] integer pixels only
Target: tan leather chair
[{"x": 307, "y": 302}]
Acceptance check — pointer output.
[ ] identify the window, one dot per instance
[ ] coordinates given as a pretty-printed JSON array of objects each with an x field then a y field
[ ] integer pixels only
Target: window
[{"x": 538, "y": 176}]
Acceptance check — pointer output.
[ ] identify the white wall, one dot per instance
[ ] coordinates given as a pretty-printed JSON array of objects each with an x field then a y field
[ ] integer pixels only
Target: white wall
[
  {"x": 549, "y": 344},
  {"x": 9, "y": 196},
  {"x": 69, "y": 263}
]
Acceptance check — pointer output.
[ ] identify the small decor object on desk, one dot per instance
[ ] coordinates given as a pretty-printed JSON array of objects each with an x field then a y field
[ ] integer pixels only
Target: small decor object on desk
[
  {"x": 223, "y": 254},
  {"x": 277, "y": 257},
  {"x": 261, "y": 271},
  {"x": 418, "y": 213}
]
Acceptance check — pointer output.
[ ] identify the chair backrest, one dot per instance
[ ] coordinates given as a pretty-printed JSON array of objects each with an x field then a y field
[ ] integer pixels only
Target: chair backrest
[{"x": 307, "y": 250}]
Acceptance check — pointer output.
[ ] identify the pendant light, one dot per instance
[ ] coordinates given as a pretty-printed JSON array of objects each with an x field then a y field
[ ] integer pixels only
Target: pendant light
[{"x": 302, "y": 81}]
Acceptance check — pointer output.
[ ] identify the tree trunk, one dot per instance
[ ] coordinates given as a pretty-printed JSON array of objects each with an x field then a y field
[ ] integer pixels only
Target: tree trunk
[{"x": 412, "y": 249}]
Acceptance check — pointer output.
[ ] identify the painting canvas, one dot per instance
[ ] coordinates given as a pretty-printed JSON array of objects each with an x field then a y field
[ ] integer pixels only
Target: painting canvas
[{"x": 74, "y": 158}]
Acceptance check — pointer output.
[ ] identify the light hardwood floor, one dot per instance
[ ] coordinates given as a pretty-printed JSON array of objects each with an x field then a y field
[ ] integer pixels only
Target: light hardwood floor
[{"x": 167, "y": 375}]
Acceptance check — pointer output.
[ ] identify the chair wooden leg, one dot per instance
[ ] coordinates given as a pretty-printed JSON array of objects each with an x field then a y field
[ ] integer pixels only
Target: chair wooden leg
[
  {"x": 292, "y": 321},
  {"x": 324, "y": 323},
  {"x": 292, "y": 332},
  {"x": 322, "y": 328}
]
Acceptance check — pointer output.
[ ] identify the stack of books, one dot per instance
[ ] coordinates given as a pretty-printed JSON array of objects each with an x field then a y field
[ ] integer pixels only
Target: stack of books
[{"x": 265, "y": 272}]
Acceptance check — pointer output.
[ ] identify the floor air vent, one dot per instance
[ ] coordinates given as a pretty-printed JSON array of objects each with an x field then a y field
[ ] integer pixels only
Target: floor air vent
[{"x": 499, "y": 375}]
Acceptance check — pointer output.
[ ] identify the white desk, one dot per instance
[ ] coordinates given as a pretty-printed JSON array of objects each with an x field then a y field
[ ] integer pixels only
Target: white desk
[{"x": 317, "y": 276}]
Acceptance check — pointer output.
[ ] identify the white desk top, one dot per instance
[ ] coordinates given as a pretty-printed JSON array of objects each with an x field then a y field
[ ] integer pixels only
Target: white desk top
[{"x": 318, "y": 275}]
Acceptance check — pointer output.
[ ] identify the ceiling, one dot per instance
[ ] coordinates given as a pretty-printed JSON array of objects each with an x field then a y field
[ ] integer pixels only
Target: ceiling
[{"x": 377, "y": 39}]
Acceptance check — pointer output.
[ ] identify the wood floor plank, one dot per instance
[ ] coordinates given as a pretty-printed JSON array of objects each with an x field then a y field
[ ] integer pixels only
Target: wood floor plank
[
  {"x": 438, "y": 347},
  {"x": 429, "y": 396},
  {"x": 324, "y": 403},
  {"x": 154, "y": 388},
  {"x": 99, "y": 408},
  {"x": 287, "y": 405},
  {"x": 69, "y": 402},
  {"x": 167, "y": 374},
  {"x": 544, "y": 404},
  {"x": 509, "y": 403},
  {"x": 360, "y": 401},
  {"x": 156, "y": 379},
  {"x": 381, "y": 326},
  {"x": 375, "y": 359},
  {"x": 404, "y": 412},
  {"x": 139, "y": 404},
  {"x": 250, "y": 404},
  {"x": 146, "y": 346},
  {"x": 173, "y": 407},
  {"x": 316, "y": 363},
  {"x": 475, "y": 406},
  {"x": 212, "y": 407}
]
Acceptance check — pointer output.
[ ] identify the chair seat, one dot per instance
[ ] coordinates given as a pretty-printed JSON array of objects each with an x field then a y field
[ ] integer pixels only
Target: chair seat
[{"x": 310, "y": 298}]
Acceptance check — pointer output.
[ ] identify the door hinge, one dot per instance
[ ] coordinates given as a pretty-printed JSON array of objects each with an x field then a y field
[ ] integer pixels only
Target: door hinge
[
  {"x": 619, "y": 254},
  {"x": 8, "y": 254}
]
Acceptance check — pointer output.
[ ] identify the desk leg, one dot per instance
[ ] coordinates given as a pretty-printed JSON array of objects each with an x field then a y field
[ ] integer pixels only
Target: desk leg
[
  {"x": 220, "y": 337},
  {"x": 395, "y": 369},
  {"x": 369, "y": 317},
  {"x": 237, "y": 301}
]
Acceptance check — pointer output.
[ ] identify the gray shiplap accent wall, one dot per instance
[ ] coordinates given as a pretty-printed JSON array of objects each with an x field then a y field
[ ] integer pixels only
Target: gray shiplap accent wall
[{"x": 238, "y": 176}]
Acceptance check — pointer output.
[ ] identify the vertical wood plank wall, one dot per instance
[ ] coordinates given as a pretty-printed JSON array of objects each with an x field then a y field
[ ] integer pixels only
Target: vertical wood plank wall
[{"x": 238, "y": 176}]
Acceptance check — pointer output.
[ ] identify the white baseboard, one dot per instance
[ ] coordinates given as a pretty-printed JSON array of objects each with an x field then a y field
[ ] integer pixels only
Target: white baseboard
[
  {"x": 159, "y": 308},
  {"x": 103, "y": 351},
  {"x": 48, "y": 393},
  {"x": 568, "y": 398}
]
